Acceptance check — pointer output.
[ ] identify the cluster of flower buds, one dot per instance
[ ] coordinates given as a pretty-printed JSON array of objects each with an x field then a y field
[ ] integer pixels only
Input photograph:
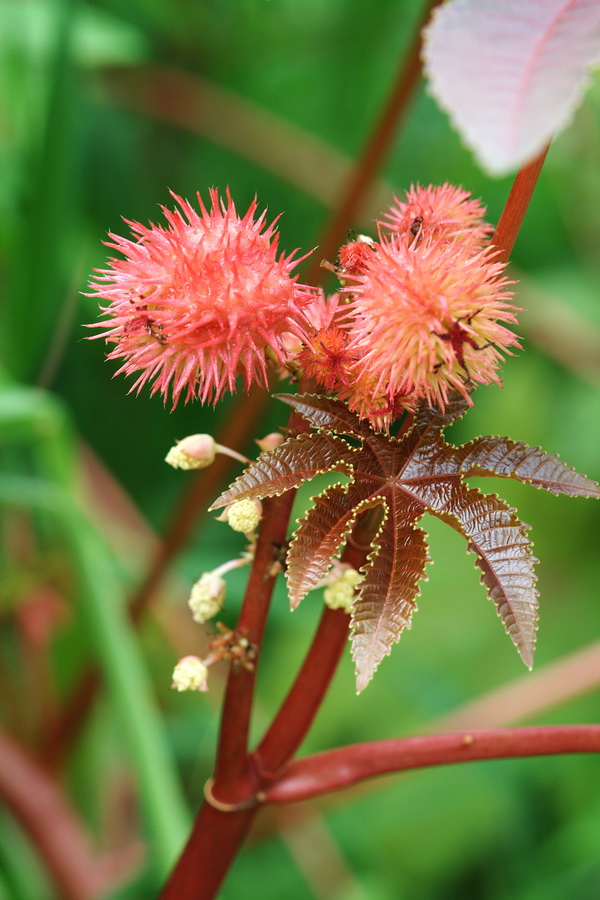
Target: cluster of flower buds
[
  {"x": 191, "y": 672},
  {"x": 340, "y": 584}
]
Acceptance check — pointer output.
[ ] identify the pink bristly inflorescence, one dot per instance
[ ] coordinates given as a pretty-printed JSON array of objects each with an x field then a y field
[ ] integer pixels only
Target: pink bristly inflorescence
[
  {"x": 420, "y": 312},
  {"x": 195, "y": 303}
]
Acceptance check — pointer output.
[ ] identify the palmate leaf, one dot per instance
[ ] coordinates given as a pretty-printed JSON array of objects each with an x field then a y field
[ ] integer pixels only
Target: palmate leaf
[
  {"x": 408, "y": 477},
  {"x": 387, "y": 597},
  {"x": 503, "y": 458}
]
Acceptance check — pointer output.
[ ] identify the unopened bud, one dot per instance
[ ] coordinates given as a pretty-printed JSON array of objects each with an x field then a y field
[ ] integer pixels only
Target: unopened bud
[
  {"x": 270, "y": 441},
  {"x": 190, "y": 674},
  {"x": 340, "y": 592},
  {"x": 206, "y": 599},
  {"x": 244, "y": 515},
  {"x": 197, "y": 451}
]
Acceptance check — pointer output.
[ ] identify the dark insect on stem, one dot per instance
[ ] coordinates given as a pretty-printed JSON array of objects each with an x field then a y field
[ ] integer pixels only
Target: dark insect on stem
[{"x": 280, "y": 550}]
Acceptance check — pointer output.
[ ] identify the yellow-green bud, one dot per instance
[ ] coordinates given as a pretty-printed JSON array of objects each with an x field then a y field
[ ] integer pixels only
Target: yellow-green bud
[
  {"x": 190, "y": 674},
  {"x": 244, "y": 515},
  {"x": 197, "y": 451},
  {"x": 206, "y": 599},
  {"x": 340, "y": 593}
]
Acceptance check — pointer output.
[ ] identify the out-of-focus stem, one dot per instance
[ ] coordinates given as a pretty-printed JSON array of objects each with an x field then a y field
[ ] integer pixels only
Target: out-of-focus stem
[
  {"x": 335, "y": 769},
  {"x": 374, "y": 151},
  {"x": 50, "y": 824}
]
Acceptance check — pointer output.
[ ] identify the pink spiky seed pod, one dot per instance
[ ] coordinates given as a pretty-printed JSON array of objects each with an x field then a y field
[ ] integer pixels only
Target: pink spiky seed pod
[
  {"x": 196, "y": 303},
  {"x": 426, "y": 320},
  {"x": 437, "y": 211}
]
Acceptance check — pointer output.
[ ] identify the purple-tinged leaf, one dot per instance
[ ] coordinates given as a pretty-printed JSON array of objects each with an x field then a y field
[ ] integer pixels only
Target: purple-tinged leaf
[
  {"x": 432, "y": 419},
  {"x": 503, "y": 458},
  {"x": 499, "y": 540},
  {"x": 408, "y": 477},
  {"x": 326, "y": 412},
  {"x": 295, "y": 461},
  {"x": 387, "y": 595},
  {"x": 318, "y": 539},
  {"x": 511, "y": 73}
]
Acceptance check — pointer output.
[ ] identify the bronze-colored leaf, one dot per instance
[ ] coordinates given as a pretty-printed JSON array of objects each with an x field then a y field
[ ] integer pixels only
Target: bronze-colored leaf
[
  {"x": 295, "y": 461},
  {"x": 499, "y": 540},
  {"x": 407, "y": 477},
  {"x": 503, "y": 458},
  {"x": 387, "y": 597},
  {"x": 327, "y": 412},
  {"x": 317, "y": 540}
]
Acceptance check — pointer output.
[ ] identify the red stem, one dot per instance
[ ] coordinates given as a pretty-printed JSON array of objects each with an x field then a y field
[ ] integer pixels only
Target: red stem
[
  {"x": 516, "y": 205},
  {"x": 233, "y": 781},
  {"x": 324, "y": 772},
  {"x": 210, "y": 850},
  {"x": 306, "y": 695},
  {"x": 227, "y": 812}
]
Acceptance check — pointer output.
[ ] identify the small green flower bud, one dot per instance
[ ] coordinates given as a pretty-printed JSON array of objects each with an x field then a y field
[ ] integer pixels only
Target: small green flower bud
[
  {"x": 197, "y": 451},
  {"x": 244, "y": 515},
  {"x": 340, "y": 592},
  {"x": 190, "y": 674},
  {"x": 206, "y": 599}
]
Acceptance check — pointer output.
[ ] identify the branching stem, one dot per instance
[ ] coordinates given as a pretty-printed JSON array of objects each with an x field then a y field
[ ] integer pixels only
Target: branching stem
[{"x": 335, "y": 769}]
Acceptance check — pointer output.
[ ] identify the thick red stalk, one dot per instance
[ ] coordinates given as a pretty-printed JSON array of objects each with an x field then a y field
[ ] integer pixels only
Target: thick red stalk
[
  {"x": 324, "y": 772},
  {"x": 227, "y": 812},
  {"x": 210, "y": 850},
  {"x": 233, "y": 782},
  {"x": 516, "y": 205}
]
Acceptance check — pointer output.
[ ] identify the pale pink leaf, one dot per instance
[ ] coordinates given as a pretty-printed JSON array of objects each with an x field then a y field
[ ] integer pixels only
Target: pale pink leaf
[{"x": 510, "y": 73}]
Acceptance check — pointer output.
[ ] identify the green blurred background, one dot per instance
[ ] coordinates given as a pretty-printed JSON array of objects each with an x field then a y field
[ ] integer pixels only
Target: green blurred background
[{"x": 104, "y": 107}]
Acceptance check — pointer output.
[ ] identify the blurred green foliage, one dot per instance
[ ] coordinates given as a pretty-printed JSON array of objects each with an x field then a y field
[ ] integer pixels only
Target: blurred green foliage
[{"x": 79, "y": 150}]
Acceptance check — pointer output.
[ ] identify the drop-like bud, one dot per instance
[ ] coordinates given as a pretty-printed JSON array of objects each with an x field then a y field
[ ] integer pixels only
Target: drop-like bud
[
  {"x": 339, "y": 594},
  {"x": 270, "y": 441},
  {"x": 197, "y": 451},
  {"x": 190, "y": 674},
  {"x": 207, "y": 597},
  {"x": 244, "y": 515}
]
